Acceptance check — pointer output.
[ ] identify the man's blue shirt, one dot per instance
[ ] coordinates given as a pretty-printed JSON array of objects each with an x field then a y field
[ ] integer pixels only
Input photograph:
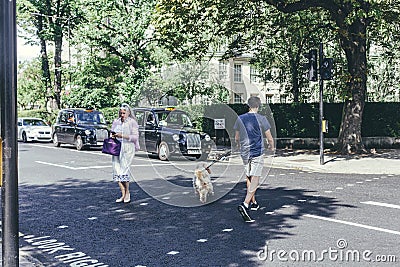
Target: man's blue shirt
[{"x": 251, "y": 127}]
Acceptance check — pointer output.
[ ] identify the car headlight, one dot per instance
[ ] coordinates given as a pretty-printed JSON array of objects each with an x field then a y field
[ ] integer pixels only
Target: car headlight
[
  {"x": 88, "y": 132},
  {"x": 175, "y": 137},
  {"x": 207, "y": 138}
]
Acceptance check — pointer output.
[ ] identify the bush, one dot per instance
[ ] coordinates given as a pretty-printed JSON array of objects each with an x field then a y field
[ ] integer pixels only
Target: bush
[{"x": 49, "y": 117}]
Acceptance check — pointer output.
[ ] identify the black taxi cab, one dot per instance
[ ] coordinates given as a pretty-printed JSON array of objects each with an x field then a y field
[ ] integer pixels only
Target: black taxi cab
[
  {"x": 169, "y": 131},
  {"x": 82, "y": 128}
]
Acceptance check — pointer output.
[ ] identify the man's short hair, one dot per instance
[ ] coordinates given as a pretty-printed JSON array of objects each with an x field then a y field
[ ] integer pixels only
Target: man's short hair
[{"x": 254, "y": 102}]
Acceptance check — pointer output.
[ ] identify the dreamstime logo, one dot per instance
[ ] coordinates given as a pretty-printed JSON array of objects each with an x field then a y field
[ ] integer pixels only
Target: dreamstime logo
[
  {"x": 171, "y": 182},
  {"x": 338, "y": 253}
]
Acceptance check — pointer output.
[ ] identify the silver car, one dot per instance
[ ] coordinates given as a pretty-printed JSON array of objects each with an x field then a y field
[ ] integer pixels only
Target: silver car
[{"x": 33, "y": 129}]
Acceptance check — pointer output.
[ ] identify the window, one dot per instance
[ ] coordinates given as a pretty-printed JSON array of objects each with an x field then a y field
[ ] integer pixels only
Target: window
[
  {"x": 268, "y": 99},
  {"x": 139, "y": 117},
  {"x": 237, "y": 98},
  {"x": 222, "y": 70},
  {"x": 254, "y": 75},
  {"x": 237, "y": 73}
]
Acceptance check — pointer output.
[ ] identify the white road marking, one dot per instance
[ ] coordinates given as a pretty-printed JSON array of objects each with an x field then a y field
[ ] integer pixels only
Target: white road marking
[
  {"x": 173, "y": 252},
  {"x": 353, "y": 224},
  {"x": 203, "y": 240},
  {"x": 94, "y": 167},
  {"x": 228, "y": 230},
  {"x": 381, "y": 204}
]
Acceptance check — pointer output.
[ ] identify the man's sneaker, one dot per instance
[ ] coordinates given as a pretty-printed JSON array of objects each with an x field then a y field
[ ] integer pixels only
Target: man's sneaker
[
  {"x": 243, "y": 211},
  {"x": 254, "y": 206}
]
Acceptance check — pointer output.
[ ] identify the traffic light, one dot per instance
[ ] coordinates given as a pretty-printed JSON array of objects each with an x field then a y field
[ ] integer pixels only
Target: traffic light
[
  {"x": 311, "y": 66},
  {"x": 327, "y": 69}
]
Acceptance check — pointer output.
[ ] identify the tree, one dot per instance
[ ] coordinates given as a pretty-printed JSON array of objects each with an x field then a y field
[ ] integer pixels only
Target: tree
[
  {"x": 49, "y": 21},
  {"x": 121, "y": 29},
  {"x": 96, "y": 83},
  {"x": 31, "y": 92},
  {"x": 349, "y": 20}
]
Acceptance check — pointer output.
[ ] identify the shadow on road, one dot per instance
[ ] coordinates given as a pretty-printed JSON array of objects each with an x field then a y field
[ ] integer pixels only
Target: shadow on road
[{"x": 84, "y": 215}]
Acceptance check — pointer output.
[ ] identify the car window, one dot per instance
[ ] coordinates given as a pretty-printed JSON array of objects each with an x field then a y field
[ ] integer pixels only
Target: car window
[
  {"x": 175, "y": 118},
  {"x": 139, "y": 117},
  {"x": 151, "y": 118},
  {"x": 33, "y": 122},
  {"x": 90, "y": 118},
  {"x": 63, "y": 117}
]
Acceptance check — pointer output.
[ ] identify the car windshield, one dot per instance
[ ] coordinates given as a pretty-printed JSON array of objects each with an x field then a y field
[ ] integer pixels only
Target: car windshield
[
  {"x": 90, "y": 117},
  {"x": 174, "y": 118},
  {"x": 34, "y": 122}
]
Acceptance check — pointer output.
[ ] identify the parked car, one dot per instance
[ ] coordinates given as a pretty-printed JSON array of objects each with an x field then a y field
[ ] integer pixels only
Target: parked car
[
  {"x": 33, "y": 129},
  {"x": 80, "y": 127},
  {"x": 168, "y": 131}
]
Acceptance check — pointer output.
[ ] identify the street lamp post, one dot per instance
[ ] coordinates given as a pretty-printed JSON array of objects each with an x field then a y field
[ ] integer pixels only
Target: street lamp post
[
  {"x": 8, "y": 145},
  {"x": 321, "y": 107}
]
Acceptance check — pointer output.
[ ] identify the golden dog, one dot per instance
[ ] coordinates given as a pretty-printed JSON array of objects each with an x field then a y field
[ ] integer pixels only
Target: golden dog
[{"x": 202, "y": 183}]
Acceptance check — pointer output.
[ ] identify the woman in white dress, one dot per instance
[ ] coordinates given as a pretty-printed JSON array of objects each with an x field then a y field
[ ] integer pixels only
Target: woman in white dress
[{"x": 125, "y": 129}]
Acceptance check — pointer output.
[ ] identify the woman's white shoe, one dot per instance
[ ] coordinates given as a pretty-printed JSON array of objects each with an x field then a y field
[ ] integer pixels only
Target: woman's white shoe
[
  {"x": 119, "y": 200},
  {"x": 127, "y": 199}
]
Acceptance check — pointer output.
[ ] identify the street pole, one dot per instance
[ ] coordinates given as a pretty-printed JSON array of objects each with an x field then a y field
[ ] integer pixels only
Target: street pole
[
  {"x": 8, "y": 121},
  {"x": 321, "y": 107}
]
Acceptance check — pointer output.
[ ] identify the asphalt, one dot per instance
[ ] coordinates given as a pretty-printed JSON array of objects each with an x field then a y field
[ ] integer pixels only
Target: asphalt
[{"x": 384, "y": 161}]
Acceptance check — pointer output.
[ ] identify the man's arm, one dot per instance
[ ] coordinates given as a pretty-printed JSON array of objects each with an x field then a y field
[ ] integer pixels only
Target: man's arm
[
  {"x": 270, "y": 139},
  {"x": 237, "y": 138}
]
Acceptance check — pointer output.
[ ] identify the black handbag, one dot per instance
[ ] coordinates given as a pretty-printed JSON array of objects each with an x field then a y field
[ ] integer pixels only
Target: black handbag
[{"x": 111, "y": 146}]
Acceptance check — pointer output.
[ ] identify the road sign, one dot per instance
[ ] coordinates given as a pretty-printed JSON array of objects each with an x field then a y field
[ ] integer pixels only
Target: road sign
[{"x": 219, "y": 124}]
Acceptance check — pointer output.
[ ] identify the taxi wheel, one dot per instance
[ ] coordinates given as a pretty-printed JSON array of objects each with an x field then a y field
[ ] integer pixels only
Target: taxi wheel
[
  {"x": 78, "y": 142},
  {"x": 163, "y": 151},
  {"x": 55, "y": 140},
  {"x": 24, "y": 138}
]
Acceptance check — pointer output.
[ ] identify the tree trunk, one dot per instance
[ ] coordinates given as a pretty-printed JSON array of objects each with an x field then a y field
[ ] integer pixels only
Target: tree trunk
[
  {"x": 295, "y": 86},
  {"x": 46, "y": 78},
  {"x": 354, "y": 45},
  {"x": 57, "y": 69}
]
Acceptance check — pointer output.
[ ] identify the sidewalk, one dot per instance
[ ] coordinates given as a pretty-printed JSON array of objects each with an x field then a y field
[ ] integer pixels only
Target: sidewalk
[
  {"x": 383, "y": 161},
  {"x": 25, "y": 260}
]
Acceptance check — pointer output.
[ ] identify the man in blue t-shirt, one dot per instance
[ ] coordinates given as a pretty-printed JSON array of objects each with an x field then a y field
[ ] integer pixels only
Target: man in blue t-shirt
[{"x": 250, "y": 129}]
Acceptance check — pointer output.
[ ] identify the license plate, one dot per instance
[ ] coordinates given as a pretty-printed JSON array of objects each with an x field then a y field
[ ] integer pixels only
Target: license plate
[
  {"x": 99, "y": 143},
  {"x": 193, "y": 151}
]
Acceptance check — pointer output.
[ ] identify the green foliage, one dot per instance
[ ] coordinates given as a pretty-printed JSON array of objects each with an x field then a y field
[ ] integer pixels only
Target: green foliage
[
  {"x": 121, "y": 30},
  {"x": 300, "y": 120},
  {"x": 97, "y": 84},
  {"x": 31, "y": 92},
  {"x": 49, "y": 117}
]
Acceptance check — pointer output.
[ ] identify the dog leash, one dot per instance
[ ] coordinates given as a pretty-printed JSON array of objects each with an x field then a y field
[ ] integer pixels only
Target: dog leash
[{"x": 221, "y": 157}]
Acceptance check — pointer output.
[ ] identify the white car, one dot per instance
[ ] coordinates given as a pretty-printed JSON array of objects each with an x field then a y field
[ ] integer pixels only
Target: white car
[{"x": 33, "y": 129}]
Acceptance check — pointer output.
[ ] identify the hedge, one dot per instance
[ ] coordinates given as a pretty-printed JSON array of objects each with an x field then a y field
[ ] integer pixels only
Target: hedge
[{"x": 301, "y": 120}]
